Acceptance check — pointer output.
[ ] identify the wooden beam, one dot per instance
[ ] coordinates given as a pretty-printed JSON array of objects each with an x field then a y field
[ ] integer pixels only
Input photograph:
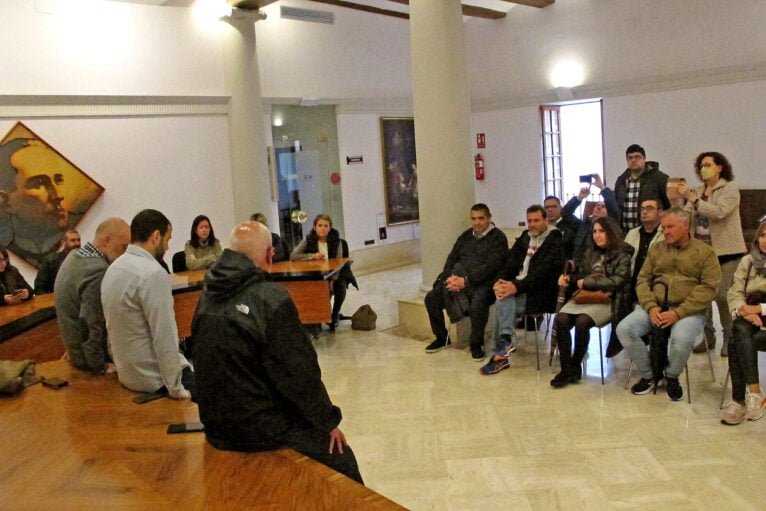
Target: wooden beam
[
  {"x": 532, "y": 3},
  {"x": 365, "y": 8},
  {"x": 469, "y": 10}
]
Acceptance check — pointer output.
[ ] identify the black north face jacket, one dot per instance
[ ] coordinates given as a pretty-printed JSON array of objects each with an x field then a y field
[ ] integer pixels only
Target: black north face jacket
[{"x": 256, "y": 370}]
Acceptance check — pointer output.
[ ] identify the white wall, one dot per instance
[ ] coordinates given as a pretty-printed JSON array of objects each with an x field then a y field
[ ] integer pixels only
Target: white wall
[
  {"x": 179, "y": 166},
  {"x": 62, "y": 47},
  {"x": 363, "y": 196}
]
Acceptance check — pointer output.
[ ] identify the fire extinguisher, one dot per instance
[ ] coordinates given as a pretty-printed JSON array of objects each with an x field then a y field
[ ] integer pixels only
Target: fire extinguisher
[{"x": 478, "y": 166}]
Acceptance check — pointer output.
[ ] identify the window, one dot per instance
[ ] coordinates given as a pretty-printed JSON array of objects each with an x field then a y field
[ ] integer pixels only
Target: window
[{"x": 552, "y": 172}]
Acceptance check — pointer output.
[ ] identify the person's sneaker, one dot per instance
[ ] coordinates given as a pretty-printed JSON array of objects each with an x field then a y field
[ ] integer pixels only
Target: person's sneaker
[
  {"x": 495, "y": 365},
  {"x": 753, "y": 404},
  {"x": 508, "y": 345},
  {"x": 437, "y": 345},
  {"x": 477, "y": 353},
  {"x": 642, "y": 386},
  {"x": 733, "y": 414},
  {"x": 674, "y": 389}
]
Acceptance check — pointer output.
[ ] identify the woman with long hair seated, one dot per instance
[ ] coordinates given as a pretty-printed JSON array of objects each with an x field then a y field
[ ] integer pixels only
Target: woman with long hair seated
[
  {"x": 324, "y": 242},
  {"x": 605, "y": 266},
  {"x": 203, "y": 249},
  {"x": 13, "y": 288},
  {"x": 747, "y": 305}
]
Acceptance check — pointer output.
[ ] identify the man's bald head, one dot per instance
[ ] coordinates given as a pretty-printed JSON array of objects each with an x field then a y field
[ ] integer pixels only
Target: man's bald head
[
  {"x": 252, "y": 240},
  {"x": 112, "y": 238}
]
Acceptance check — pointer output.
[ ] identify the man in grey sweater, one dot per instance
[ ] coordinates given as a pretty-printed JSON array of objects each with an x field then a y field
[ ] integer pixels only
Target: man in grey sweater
[{"x": 78, "y": 296}]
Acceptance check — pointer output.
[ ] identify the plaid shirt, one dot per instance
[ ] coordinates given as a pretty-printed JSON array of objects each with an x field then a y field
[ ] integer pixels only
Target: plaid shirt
[{"x": 630, "y": 217}]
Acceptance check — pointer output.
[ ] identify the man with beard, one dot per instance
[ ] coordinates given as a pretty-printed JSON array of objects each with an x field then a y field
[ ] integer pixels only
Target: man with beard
[{"x": 140, "y": 320}]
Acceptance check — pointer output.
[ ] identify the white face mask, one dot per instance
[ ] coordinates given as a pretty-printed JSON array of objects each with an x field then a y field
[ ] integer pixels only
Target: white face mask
[{"x": 707, "y": 173}]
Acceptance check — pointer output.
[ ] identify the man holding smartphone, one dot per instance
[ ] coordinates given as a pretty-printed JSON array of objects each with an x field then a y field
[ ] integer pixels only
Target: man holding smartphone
[{"x": 641, "y": 181}]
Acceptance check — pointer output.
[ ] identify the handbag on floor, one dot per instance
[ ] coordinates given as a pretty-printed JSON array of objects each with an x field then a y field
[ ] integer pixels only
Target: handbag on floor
[{"x": 364, "y": 318}]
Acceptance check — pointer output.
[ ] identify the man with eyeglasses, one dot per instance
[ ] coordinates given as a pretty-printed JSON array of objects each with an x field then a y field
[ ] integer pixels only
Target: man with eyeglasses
[
  {"x": 568, "y": 225},
  {"x": 644, "y": 236},
  {"x": 641, "y": 180}
]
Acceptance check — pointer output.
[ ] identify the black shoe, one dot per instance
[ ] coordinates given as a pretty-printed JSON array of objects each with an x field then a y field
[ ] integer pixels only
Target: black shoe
[
  {"x": 643, "y": 386},
  {"x": 477, "y": 353},
  {"x": 674, "y": 389},
  {"x": 561, "y": 380},
  {"x": 437, "y": 345}
]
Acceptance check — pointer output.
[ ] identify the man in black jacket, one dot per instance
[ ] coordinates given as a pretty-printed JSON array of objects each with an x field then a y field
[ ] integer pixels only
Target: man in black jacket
[
  {"x": 641, "y": 181},
  {"x": 259, "y": 382},
  {"x": 466, "y": 281},
  {"x": 569, "y": 225},
  {"x": 527, "y": 282}
]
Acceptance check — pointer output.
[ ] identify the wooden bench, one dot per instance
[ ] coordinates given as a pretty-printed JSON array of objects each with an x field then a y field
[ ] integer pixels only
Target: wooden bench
[{"x": 88, "y": 446}]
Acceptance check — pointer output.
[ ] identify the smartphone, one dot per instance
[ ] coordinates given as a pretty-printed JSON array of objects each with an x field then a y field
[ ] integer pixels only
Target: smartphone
[
  {"x": 185, "y": 427},
  {"x": 587, "y": 178},
  {"x": 18, "y": 292},
  {"x": 55, "y": 383},
  {"x": 150, "y": 396}
]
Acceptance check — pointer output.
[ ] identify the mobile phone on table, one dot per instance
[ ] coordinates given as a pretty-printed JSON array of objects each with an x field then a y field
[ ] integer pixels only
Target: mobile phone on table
[
  {"x": 55, "y": 383},
  {"x": 146, "y": 397},
  {"x": 185, "y": 427},
  {"x": 587, "y": 178}
]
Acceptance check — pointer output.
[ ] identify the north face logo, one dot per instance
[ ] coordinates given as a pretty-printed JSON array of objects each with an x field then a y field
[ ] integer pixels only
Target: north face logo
[{"x": 244, "y": 309}]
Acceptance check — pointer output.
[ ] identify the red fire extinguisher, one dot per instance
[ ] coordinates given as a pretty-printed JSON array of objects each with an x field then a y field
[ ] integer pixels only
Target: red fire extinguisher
[{"x": 478, "y": 166}]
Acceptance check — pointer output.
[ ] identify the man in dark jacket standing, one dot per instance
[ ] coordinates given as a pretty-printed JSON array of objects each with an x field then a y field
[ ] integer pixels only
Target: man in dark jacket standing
[
  {"x": 258, "y": 380},
  {"x": 641, "y": 181},
  {"x": 466, "y": 281},
  {"x": 527, "y": 282}
]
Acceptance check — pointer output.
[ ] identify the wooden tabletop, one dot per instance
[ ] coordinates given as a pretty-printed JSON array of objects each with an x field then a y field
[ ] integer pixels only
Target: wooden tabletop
[{"x": 88, "y": 446}]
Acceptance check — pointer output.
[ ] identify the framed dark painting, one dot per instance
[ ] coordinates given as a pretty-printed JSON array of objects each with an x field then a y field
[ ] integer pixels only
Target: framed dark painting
[
  {"x": 400, "y": 176},
  {"x": 42, "y": 195}
]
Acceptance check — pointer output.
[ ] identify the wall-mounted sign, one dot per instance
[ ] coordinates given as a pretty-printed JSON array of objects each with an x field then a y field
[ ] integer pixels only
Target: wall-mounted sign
[
  {"x": 480, "y": 141},
  {"x": 354, "y": 159}
]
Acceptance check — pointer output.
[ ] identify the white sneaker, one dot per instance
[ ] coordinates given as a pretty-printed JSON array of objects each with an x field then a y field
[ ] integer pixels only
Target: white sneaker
[
  {"x": 733, "y": 414},
  {"x": 753, "y": 403}
]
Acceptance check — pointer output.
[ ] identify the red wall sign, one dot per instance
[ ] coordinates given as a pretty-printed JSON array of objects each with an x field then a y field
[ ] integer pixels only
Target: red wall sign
[{"x": 480, "y": 141}]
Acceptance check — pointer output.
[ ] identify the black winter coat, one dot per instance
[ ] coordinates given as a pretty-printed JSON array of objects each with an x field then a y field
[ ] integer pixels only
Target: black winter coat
[
  {"x": 541, "y": 282},
  {"x": 336, "y": 248},
  {"x": 481, "y": 258},
  {"x": 256, "y": 370}
]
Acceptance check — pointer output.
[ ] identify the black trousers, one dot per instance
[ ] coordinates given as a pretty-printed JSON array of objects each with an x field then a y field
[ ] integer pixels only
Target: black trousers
[
  {"x": 315, "y": 444},
  {"x": 480, "y": 298},
  {"x": 571, "y": 359},
  {"x": 745, "y": 343},
  {"x": 339, "y": 287}
]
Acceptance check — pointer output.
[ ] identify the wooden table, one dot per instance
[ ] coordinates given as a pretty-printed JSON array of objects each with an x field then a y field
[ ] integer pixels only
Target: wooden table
[
  {"x": 88, "y": 446},
  {"x": 29, "y": 330}
]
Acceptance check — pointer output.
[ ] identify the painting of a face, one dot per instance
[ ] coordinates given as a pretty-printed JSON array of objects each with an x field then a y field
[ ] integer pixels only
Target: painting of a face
[{"x": 45, "y": 194}]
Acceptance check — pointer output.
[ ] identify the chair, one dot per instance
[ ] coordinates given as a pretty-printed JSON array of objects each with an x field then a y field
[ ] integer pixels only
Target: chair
[{"x": 179, "y": 262}]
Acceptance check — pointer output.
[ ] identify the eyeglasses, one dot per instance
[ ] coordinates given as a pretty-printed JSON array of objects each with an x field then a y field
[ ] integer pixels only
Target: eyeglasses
[
  {"x": 600, "y": 205},
  {"x": 706, "y": 165},
  {"x": 648, "y": 208}
]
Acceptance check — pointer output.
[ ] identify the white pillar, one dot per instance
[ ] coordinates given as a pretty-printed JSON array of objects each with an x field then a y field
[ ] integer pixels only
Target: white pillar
[
  {"x": 441, "y": 104},
  {"x": 249, "y": 163}
]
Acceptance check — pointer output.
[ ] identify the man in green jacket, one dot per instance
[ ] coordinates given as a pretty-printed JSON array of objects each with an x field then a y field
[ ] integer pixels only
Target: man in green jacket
[{"x": 691, "y": 271}]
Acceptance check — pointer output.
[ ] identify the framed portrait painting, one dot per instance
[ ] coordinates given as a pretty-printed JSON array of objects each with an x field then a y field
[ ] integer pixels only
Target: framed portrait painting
[
  {"x": 400, "y": 177},
  {"x": 42, "y": 195}
]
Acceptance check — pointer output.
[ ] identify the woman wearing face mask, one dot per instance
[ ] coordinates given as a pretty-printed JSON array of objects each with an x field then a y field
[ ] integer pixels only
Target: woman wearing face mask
[
  {"x": 605, "y": 266},
  {"x": 714, "y": 208},
  {"x": 203, "y": 249},
  {"x": 324, "y": 242},
  {"x": 747, "y": 304}
]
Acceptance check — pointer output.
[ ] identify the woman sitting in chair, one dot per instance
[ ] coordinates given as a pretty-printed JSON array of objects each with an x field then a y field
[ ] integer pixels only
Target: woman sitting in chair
[
  {"x": 604, "y": 267},
  {"x": 203, "y": 249},
  {"x": 13, "y": 288},
  {"x": 324, "y": 242},
  {"x": 747, "y": 304}
]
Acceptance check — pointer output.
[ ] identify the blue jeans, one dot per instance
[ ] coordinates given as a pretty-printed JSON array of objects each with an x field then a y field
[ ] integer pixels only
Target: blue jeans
[
  {"x": 683, "y": 334},
  {"x": 506, "y": 311}
]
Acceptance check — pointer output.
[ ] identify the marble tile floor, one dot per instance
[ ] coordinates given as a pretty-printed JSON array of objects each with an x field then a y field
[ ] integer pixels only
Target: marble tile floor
[{"x": 431, "y": 433}]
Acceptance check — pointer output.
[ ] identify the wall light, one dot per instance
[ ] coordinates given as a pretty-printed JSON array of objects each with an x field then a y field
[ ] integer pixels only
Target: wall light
[
  {"x": 208, "y": 13},
  {"x": 278, "y": 121},
  {"x": 567, "y": 73}
]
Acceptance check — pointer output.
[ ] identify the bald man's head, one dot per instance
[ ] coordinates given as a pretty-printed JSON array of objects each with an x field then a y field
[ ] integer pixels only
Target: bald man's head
[
  {"x": 112, "y": 238},
  {"x": 252, "y": 240}
]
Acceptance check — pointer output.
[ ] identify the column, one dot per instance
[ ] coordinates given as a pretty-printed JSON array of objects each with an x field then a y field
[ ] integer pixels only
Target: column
[
  {"x": 247, "y": 147},
  {"x": 442, "y": 110}
]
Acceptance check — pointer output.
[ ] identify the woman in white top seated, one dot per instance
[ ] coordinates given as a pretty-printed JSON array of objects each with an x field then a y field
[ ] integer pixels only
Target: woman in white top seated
[{"x": 324, "y": 242}]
